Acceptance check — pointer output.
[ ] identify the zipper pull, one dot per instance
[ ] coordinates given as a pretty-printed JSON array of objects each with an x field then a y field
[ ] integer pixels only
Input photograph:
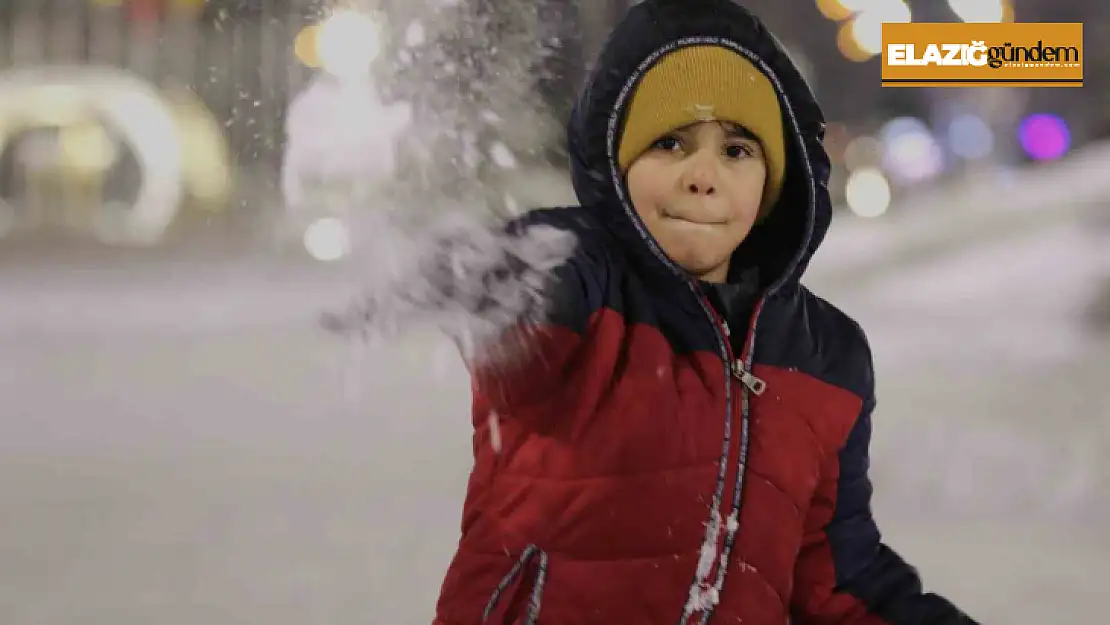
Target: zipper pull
[{"x": 748, "y": 379}]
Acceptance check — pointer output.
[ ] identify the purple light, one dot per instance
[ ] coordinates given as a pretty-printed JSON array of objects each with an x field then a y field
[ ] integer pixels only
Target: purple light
[{"x": 1044, "y": 136}]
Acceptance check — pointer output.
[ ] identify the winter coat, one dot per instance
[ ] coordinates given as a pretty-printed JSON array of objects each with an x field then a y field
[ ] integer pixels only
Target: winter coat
[{"x": 656, "y": 464}]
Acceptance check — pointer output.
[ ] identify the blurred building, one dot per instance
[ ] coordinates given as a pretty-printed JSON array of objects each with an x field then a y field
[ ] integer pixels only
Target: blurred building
[{"x": 487, "y": 75}]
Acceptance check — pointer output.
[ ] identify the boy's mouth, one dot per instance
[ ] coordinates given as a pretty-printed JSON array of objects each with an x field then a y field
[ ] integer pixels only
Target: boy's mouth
[{"x": 669, "y": 214}]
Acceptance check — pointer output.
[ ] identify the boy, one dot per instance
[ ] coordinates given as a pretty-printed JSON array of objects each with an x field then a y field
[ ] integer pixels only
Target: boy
[{"x": 685, "y": 436}]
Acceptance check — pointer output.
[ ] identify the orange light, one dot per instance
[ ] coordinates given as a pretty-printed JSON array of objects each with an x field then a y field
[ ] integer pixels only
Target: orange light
[
  {"x": 836, "y": 141},
  {"x": 833, "y": 10},
  {"x": 304, "y": 46},
  {"x": 849, "y": 47}
]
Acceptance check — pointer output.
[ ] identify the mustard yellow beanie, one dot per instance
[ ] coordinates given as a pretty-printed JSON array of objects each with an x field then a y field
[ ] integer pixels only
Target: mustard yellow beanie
[{"x": 706, "y": 83}]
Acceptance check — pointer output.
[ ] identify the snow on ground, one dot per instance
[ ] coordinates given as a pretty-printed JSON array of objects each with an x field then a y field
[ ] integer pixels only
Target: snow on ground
[{"x": 184, "y": 446}]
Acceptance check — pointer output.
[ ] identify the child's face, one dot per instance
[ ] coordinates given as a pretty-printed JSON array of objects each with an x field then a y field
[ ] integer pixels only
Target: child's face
[{"x": 698, "y": 190}]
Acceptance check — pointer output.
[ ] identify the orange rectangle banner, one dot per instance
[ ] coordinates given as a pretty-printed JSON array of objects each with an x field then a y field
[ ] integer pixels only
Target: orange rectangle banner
[{"x": 961, "y": 54}]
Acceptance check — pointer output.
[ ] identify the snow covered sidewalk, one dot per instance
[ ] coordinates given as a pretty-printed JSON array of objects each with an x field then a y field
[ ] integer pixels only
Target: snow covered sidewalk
[{"x": 964, "y": 214}]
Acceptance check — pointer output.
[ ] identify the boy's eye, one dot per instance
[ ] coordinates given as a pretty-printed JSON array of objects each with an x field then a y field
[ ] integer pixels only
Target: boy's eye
[
  {"x": 668, "y": 144},
  {"x": 739, "y": 150}
]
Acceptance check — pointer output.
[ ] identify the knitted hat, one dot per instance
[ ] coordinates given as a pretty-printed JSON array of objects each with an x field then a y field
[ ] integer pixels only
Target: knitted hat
[{"x": 706, "y": 83}]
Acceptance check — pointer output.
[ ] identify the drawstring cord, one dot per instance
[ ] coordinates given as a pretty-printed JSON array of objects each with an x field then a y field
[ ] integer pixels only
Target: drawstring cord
[{"x": 537, "y": 586}]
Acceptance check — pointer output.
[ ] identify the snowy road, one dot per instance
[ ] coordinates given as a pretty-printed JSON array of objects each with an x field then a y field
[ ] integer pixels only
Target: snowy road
[{"x": 190, "y": 450}]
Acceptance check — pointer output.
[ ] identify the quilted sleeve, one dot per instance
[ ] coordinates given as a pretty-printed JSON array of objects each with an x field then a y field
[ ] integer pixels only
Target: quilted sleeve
[{"x": 845, "y": 574}]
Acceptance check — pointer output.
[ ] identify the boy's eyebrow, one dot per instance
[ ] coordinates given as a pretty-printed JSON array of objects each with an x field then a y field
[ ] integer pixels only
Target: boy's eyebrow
[
  {"x": 736, "y": 131},
  {"x": 733, "y": 131}
]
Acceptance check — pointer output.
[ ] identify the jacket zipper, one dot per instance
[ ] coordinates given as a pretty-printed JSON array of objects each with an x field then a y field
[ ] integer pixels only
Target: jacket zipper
[
  {"x": 739, "y": 371},
  {"x": 751, "y": 384}
]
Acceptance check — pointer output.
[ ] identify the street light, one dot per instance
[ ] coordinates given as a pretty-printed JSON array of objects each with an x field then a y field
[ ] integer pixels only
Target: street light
[
  {"x": 868, "y": 192},
  {"x": 1044, "y": 136},
  {"x": 867, "y": 27},
  {"x": 327, "y": 240},
  {"x": 849, "y": 47},
  {"x": 348, "y": 42},
  {"x": 344, "y": 44},
  {"x": 834, "y": 10}
]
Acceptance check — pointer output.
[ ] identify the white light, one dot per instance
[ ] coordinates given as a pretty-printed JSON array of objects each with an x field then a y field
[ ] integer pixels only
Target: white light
[
  {"x": 914, "y": 158},
  {"x": 979, "y": 10},
  {"x": 327, "y": 239},
  {"x": 868, "y": 192},
  {"x": 902, "y": 126},
  {"x": 970, "y": 137},
  {"x": 910, "y": 151},
  {"x": 867, "y": 27},
  {"x": 347, "y": 43}
]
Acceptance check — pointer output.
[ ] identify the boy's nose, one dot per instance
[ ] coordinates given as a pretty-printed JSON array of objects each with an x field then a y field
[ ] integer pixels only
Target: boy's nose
[
  {"x": 699, "y": 179},
  {"x": 701, "y": 188}
]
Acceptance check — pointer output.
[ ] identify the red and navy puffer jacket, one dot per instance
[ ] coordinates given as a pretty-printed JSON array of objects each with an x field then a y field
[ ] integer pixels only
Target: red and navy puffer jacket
[{"x": 647, "y": 472}]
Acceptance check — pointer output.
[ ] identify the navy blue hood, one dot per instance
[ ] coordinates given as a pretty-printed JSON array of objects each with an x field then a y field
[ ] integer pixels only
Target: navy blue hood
[{"x": 782, "y": 245}]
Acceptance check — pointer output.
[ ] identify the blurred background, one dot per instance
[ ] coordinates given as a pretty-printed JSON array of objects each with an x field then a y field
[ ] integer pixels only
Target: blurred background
[{"x": 180, "y": 188}]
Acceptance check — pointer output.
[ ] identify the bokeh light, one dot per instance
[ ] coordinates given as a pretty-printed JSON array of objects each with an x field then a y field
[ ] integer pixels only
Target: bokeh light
[
  {"x": 834, "y": 10},
  {"x": 348, "y": 41},
  {"x": 1044, "y": 136},
  {"x": 837, "y": 138},
  {"x": 345, "y": 43},
  {"x": 911, "y": 153},
  {"x": 969, "y": 137},
  {"x": 868, "y": 192},
  {"x": 863, "y": 151},
  {"x": 849, "y": 47},
  {"x": 327, "y": 239},
  {"x": 867, "y": 27}
]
